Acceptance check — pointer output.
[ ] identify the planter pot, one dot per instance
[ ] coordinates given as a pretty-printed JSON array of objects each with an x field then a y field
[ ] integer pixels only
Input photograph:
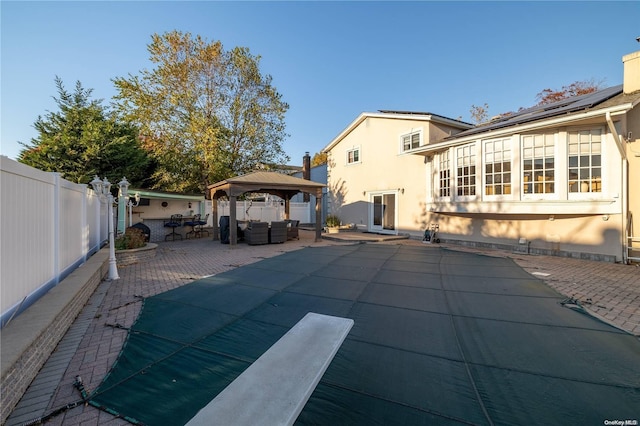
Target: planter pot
[
  {"x": 333, "y": 229},
  {"x": 129, "y": 257}
]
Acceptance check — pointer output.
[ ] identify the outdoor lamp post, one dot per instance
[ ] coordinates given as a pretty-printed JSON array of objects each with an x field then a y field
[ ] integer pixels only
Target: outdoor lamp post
[
  {"x": 123, "y": 197},
  {"x": 131, "y": 204},
  {"x": 103, "y": 189},
  {"x": 122, "y": 201}
]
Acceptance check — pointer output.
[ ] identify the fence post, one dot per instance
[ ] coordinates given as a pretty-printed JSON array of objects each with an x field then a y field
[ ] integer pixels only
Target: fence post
[
  {"x": 85, "y": 226},
  {"x": 56, "y": 227}
]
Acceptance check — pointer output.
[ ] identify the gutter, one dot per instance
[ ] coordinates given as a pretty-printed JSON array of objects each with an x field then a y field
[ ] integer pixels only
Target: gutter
[{"x": 625, "y": 183}]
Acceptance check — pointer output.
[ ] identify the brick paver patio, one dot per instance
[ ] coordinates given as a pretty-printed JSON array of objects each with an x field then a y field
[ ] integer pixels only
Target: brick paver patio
[{"x": 610, "y": 291}]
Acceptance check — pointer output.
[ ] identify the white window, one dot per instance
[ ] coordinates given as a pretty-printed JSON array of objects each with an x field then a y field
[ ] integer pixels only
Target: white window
[
  {"x": 466, "y": 170},
  {"x": 353, "y": 156},
  {"x": 538, "y": 164},
  {"x": 411, "y": 140},
  {"x": 585, "y": 161},
  {"x": 444, "y": 178},
  {"x": 497, "y": 167}
]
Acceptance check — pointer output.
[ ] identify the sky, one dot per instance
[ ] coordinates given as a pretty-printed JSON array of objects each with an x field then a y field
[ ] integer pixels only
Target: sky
[{"x": 330, "y": 61}]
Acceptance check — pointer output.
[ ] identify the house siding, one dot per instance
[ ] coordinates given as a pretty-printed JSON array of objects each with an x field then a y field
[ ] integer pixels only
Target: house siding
[
  {"x": 571, "y": 187},
  {"x": 383, "y": 168},
  {"x": 583, "y": 225}
]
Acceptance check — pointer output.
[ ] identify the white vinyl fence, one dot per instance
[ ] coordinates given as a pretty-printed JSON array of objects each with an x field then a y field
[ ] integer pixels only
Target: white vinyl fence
[
  {"x": 48, "y": 227},
  {"x": 266, "y": 211}
]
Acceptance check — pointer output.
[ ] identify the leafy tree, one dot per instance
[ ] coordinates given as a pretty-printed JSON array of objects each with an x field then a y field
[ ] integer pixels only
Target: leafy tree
[
  {"x": 479, "y": 114},
  {"x": 204, "y": 113},
  {"x": 318, "y": 159},
  {"x": 83, "y": 139},
  {"x": 576, "y": 88}
]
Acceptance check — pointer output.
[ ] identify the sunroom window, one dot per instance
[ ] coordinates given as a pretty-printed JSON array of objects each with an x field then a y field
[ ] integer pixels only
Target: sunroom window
[
  {"x": 497, "y": 167},
  {"x": 444, "y": 176},
  {"x": 466, "y": 170},
  {"x": 538, "y": 164},
  {"x": 585, "y": 161}
]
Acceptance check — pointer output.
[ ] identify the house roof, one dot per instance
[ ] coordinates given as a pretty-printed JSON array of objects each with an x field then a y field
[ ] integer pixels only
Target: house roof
[
  {"x": 539, "y": 112},
  {"x": 396, "y": 115},
  {"x": 589, "y": 106},
  {"x": 433, "y": 117}
]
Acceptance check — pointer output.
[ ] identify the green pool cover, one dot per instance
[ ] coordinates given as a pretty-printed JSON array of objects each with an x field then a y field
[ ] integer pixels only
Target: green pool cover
[{"x": 440, "y": 337}]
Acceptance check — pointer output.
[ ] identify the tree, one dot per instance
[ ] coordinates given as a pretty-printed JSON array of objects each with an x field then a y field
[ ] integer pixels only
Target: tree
[
  {"x": 205, "y": 114},
  {"x": 83, "y": 139},
  {"x": 576, "y": 88},
  {"x": 479, "y": 114},
  {"x": 318, "y": 159}
]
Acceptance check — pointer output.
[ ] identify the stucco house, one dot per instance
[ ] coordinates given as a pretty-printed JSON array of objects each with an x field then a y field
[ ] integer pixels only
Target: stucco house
[
  {"x": 556, "y": 179},
  {"x": 375, "y": 182}
]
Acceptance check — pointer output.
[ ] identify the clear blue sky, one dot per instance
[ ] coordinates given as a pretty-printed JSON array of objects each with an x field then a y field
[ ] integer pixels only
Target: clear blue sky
[{"x": 331, "y": 61}]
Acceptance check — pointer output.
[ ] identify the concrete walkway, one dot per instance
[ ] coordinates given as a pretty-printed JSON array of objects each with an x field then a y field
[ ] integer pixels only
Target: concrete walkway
[{"x": 610, "y": 291}]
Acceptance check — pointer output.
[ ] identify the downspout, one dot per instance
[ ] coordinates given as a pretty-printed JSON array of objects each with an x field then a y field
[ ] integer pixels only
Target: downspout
[{"x": 625, "y": 182}]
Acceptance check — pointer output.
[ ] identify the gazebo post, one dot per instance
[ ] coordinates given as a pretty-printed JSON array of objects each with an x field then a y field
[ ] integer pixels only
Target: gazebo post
[
  {"x": 214, "y": 213},
  {"x": 233, "y": 222},
  {"x": 287, "y": 206}
]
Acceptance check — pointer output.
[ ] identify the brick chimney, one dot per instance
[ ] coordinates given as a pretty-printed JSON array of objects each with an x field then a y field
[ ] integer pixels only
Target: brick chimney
[
  {"x": 306, "y": 173},
  {"x": 631, "y": 81}
]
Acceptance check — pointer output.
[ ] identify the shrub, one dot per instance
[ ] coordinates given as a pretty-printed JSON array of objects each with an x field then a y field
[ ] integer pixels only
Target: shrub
[
  {"x": 333, "y": 220},
  {"x": 133, "y": 238}
]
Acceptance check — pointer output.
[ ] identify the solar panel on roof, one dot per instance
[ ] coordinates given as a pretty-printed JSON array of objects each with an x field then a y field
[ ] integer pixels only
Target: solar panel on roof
[{"x": 538, "y": 112}]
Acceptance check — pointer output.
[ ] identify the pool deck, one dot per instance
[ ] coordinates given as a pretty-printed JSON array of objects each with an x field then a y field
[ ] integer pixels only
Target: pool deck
[{"x": 90, "y": 347}]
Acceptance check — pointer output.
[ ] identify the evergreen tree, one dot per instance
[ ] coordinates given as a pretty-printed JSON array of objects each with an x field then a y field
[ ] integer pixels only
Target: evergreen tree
[{"x": 83, "y": 139}]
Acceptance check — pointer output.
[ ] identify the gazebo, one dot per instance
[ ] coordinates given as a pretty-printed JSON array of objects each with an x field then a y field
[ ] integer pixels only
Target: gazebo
[{"x": 281, "y": 185}]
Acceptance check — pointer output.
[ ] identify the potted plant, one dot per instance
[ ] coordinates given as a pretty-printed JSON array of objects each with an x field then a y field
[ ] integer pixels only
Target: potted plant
[{"x": 333, "y": 224}]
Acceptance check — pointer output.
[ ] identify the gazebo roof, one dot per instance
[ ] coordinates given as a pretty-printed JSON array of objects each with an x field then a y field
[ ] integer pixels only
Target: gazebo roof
[{"x": 270, "y": 182}]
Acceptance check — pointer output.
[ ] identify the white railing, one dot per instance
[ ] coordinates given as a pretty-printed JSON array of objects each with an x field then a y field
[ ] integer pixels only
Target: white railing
[{"x": 48, "y": 227}]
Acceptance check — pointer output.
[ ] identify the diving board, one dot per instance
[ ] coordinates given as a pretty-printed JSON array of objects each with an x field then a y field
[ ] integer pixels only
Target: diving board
[{"x": 275, "y": 388}]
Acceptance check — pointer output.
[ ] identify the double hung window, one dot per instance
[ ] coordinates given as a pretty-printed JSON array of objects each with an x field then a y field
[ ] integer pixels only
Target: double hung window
[
  {"x": 466, "y": 170},
  {"x": 497, "y": 167},
  {"x": 538, "y": 164},
  {"x": 411, "y": 141},
  {"x": 353, "y": 156},
  {"x": 444, "y": 176},
  {"x": 585, "y": 161}
]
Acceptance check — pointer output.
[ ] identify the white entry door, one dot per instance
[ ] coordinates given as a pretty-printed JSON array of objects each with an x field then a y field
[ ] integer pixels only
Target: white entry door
[{"x": 382, "y": 214}]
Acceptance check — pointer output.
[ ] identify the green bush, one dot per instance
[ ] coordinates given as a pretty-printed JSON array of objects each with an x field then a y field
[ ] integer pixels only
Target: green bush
[
  {"x": 133, "y": 238},
  {"x": 333, "y": 220}
]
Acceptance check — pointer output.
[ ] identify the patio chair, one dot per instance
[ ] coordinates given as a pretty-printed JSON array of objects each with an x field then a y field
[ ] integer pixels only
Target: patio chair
[
  {"x": 174, "y": 222},
  {"x": 193, "y": 223},
  {"x": 257, "y": 233},
  {"x": 292, "y": 230},
  {"x": 278, "y": 232},
  {"x": 201, "y": 223}
]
